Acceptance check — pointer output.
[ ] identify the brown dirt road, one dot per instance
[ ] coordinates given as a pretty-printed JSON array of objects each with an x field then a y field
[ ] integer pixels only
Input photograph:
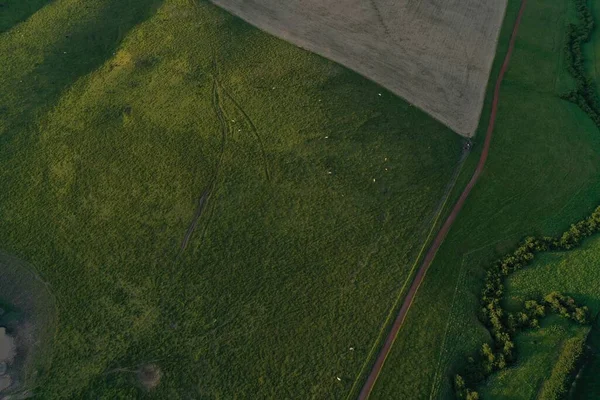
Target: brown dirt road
[{"x": 389, "y": 341}]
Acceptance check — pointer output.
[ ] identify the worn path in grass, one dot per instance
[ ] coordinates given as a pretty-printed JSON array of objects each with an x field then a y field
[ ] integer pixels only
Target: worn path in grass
[
  {"x": 389, "y": 341},
  {"x": 103, "y": 169}
]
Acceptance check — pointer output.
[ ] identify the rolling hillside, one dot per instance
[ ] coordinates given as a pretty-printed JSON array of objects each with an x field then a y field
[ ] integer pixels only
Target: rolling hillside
[{"x": 206, "y": 200}]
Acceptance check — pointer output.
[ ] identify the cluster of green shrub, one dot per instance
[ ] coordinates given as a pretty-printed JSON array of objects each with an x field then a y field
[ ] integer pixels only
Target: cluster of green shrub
[
  {"x": 584, "y": 95},
  {"x": 504, "y": 325},
  {"x": 566, "y": 307},
  {"x": 557, "y": 385}
]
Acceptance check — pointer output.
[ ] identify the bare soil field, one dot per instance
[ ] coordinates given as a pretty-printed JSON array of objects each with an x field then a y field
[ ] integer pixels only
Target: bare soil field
[{"x": 436, "y": 54}]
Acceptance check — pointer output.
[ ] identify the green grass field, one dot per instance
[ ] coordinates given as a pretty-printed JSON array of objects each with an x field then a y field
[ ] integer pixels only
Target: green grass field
[
  {"x": 575, "y": 273},
  {"x": 538, "y": 352},
  {"x": 15, "y": 11},
  {"x": 569, "y": 272},
  {"x": 317, "y": 190},
  {"x": 592, "y": 49},
  {"x": 542, "y": 174}
]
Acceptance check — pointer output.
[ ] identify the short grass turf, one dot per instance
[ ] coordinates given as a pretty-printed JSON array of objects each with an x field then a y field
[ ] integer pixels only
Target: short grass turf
[
  {"x": 542, "y": 174},
  {"x": 121, "y": 122}
]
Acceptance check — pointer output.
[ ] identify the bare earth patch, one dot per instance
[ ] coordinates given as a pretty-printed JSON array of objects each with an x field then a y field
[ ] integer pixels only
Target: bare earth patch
[
  {"x": 149, "y": 376},
  {"x": 437, "y": 54},
  {"x": 7, "y": 346},
  {"x": 26, "y": 328}
]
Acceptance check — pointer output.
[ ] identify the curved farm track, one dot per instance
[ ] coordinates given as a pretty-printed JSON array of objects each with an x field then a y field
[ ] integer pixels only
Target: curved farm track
[{"x": 437, "y": 242}]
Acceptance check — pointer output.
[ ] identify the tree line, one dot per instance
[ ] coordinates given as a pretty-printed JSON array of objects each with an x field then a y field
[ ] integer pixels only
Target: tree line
[
  {"x": 504, "y": 325},
  {"x": 585, "y": 95},
  {"x": 557, "y": 386}
]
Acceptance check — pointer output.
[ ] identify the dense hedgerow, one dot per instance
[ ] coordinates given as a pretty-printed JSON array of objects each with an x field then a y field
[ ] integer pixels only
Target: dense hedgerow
[
  {"x": 584, "y": 95},
  {"x": 557, "y": 386},
  {"x": 504, "y": 325}
]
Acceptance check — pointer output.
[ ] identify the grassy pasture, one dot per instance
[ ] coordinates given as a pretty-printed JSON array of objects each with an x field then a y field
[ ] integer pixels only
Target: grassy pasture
[
  {"x": 14, "y": 11},
  {"x": 567, "y": 272},
  {"x": 319, "y": 187},
  {"x": 541, "y": 175},
  {"x": 538, "y": 352},
  {"x": 575, "y": 273}
]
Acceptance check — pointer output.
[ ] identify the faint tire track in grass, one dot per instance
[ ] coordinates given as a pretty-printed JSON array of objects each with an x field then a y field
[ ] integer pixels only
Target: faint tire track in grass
[
  {"x": 254, "y": 132},
  {"x": 560, "y": 33},
  {"x": 380, "y": 17},
  {"x": 206, "y": 194},
  {"x": 437, "y": 378},
  {"x": 196, "y": 218}
]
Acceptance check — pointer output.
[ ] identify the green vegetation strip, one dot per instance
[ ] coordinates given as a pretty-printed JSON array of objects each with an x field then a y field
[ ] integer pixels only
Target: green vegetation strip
[
  {"x": 585, "y": 95},
  {"x": 541, "y": 176},
  {"x": 574, "y": 272},
  {"x": 14, "y": 11},
  {"x": 539, "y": 351},
  {"x": 504, "y": 325},
  {"x": 558, "y": 384}
]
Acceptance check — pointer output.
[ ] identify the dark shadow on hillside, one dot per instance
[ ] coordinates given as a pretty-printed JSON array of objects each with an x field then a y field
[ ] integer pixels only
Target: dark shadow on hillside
[
  {"x": 587, "y": 385},
  {"x": 79, "y": 50},
  {"x": 29, "y": 316},
  {"x": 13, "y": 12}
]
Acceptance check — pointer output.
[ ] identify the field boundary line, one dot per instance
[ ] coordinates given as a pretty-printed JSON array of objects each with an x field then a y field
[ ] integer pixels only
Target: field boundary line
[
  {"x": 461, "y": 274},
  {"x": 436, "y": 377},
  {"x": 465, "y": 255},
  {"x": 377, "y": 367},
  {"x": 436, "y": 218},
  {"x": 595, "y": 55},
  {"x": 561, "y": 34}
]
